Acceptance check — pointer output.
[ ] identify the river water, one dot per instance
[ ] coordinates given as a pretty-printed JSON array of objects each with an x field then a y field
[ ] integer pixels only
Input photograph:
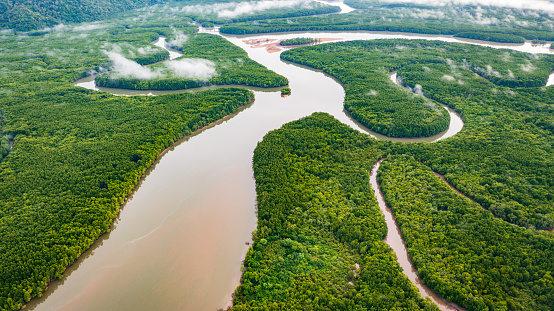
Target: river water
[{"x": 179, "y": 241}]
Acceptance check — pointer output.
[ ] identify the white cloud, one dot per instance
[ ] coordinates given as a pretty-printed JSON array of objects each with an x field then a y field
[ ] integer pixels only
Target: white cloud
[
  {"x": 192, "y": 68},
  {"x": 126, "y": 68},
  {"x": 188, "y": 68},
  {"x": 88, "y": 27},
  {"x": 541, "y": 5},
  {"x": 180, "y": 39},
  {"x": 231, "y": 10}
]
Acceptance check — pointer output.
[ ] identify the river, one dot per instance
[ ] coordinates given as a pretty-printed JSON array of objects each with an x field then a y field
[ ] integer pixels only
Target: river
[{"x": 179, "y": 241}]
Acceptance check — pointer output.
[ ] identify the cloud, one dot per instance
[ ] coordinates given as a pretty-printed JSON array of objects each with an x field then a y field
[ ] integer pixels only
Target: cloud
[
  {"x": 231, "y": 10},
  {"x": 192, "y": 68},
  {"x": 88, "y": 27},
  {"x": 528, "y": 67},
  {"x": 180, "y": 39},
  {"x": 448, "y": 78},
  {"x": 540, "y": 5},
  {"x": 418, "y": 89},
  {"x": 125, "y": 68},
  {"x": 492, "y": 72},
  {"x": 188, "y": 68}
]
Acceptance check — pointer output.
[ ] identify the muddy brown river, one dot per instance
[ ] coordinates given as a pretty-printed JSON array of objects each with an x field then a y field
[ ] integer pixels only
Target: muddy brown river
[{"x": 179, "y": 241}]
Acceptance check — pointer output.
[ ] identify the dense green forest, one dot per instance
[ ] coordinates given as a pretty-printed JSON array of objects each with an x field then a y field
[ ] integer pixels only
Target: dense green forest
[
  {"x": 318, "y": 243},
  {"x": 371, "y": 97},
  {"x": 77, "y": 154},
  {"x": 297, "y": 41},
  {"x": 470, "y": 254},
  {"x": 503, "y": 156},
  {"x": 225, "y": 13},
  {"x": 461, "y": 250},
  {"x": 229, "y": 64},
  {"x": 70, "y": 156},
  {"x": 28, "y": 15},
  {"x": 32, "y": 15},
  {"x": 461, "y": 21}
]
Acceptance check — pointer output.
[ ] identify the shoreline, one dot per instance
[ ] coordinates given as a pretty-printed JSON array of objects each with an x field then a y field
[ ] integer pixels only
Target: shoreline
[{"x": 97, "y": 242}]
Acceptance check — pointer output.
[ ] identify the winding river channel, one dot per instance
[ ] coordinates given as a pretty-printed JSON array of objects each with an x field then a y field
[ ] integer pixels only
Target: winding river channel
[{"x": 179, "y": 241}]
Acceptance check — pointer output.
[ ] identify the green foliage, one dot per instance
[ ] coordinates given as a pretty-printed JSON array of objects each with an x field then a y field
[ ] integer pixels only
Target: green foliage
[
  {"x": 503, "y": 157},
  {"x": 232, "y": 64},
  {"x": 23, "y": 15},
  {"x": 77, "y": 154},
  {"x": 297, "y": 41},
  {"x": 285, "y": 91},
  {"x": 461, "y": 250},
  {"x": 363, "y": 66},
  {"x": 371, "y": 98},
  {"x": 211, "y": 14},
  {"x": 466, "y": 22},
  {"x": 491, "y": 36},
  {"x": 318, "y": 243}
]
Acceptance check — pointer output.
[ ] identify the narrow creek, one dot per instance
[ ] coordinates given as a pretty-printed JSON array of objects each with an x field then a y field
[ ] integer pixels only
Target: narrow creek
[
  {"x": 395, "y": 241},
  {"x": 179, "y": 241}
]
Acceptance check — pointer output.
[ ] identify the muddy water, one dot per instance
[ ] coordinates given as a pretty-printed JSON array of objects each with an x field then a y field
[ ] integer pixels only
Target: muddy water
[{"x": 180, "y": 239}]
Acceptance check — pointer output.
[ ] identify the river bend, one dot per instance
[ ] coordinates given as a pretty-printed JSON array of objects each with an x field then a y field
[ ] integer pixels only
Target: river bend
[{"x": 179, "y": 241}]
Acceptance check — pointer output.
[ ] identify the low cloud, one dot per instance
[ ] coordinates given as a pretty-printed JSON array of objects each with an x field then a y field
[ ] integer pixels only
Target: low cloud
[
  {"x": 528, "y": 67},
  {"x": 188, "y": 68},
  {"x": 418, "y": 89},
  {"x": 179, "y": 40},
  {"x": 541, "y": 5},
  {"x": 192, "y": 68},
  {"x": 126, "y": 68},
  {"x": 88, "y": 27},
  {"x": 231, "y": 10},
  {"x": 448, "y": 78}
]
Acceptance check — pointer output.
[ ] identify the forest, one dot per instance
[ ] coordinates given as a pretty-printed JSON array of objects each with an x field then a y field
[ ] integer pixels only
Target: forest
[
  {"x": 231, "y": 64},
  {"x": 77, "y": 154},
  {"x": 69, "y": 157},
  {"x": 464, "y": 22},
  {"x": 298, "y": 41},
  {"x": 318, "y": 243},
  {"x": 492, "y": 253},
  {"x": 460, "y": 249},
  {"x": 486, "y": 86},
  {"x": 363, "y": 67},
  {"x": 24, "y": 16}
]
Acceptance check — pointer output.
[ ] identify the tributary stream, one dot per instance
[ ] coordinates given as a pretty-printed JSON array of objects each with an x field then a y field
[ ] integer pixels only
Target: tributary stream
[{"x": 179, "y": 241}]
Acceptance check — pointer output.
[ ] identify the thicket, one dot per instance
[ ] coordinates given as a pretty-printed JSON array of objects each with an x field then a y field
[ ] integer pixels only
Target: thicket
[
  {"x": 470, "y": 254},
  {"x": 371, "y": 98},
  {"x": 77, "y": 154},
  {"x": 491, "y": 36},
  {"x": 503, "y": 157},
  {"x": 297, "y": 41},
  {"x": 318, "y": 243},
  {"x": 363, "y": 67},
  {"x": 401, "y": 19},
  {"x": 23, "y": 15},
  {"x": 232, "y": 64},
  {"x": 460, "y": 250},
  {"x": 295, "y": 10}
]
